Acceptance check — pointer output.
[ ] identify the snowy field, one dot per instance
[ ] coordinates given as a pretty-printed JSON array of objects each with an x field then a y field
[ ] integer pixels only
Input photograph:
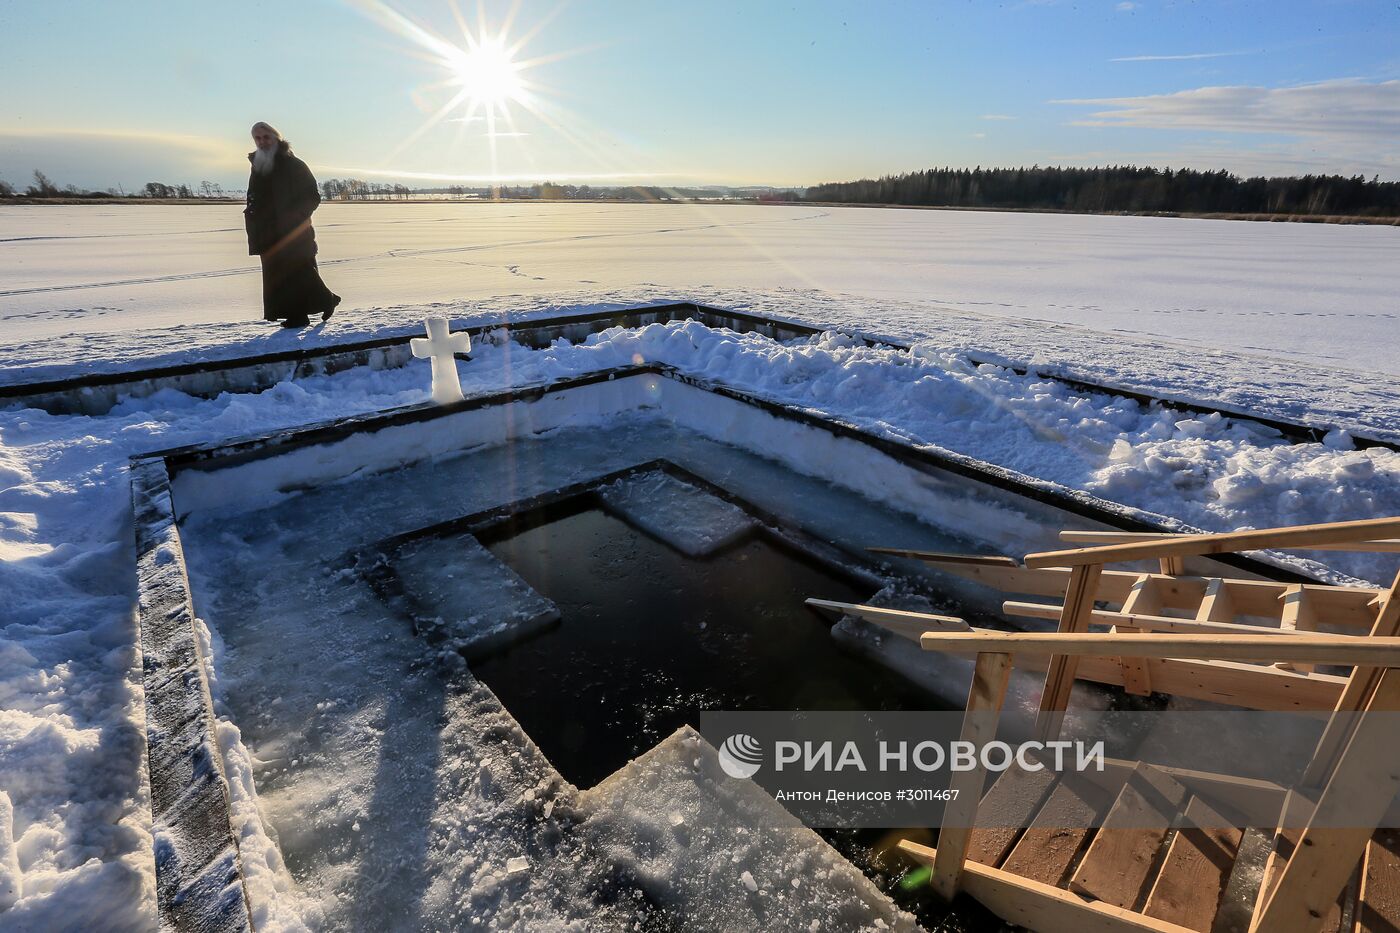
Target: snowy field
[
  {"x": 1320, "y": 293},
  {"x": 1293, "y": 320},
  {"x": 1297, "y": 321}
]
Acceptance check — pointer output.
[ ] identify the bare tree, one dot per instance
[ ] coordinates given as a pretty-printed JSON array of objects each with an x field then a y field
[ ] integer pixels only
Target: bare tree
[{"x": 43, "y": 186}]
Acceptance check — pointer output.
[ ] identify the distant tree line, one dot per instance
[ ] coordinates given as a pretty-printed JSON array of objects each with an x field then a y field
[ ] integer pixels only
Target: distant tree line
[
  {"x": 1122, "y": 188},
  {"x": 354, "y": 189},
  {"x": 45, "y": 187}
]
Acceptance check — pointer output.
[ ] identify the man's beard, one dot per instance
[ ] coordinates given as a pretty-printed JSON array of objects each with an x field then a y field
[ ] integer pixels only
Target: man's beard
[{"x": 263, "y": 159}]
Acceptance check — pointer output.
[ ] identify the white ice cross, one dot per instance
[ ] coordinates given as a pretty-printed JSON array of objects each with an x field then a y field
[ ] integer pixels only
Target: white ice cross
[{"x": 441, "y": 347}]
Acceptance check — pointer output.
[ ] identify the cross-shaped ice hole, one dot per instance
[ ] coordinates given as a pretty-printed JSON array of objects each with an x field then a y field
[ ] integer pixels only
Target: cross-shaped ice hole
[{"x": 440, "y": 346}]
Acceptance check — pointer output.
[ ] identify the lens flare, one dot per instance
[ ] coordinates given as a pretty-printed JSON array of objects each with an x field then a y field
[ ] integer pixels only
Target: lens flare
[{"x": 487, "y": 73}]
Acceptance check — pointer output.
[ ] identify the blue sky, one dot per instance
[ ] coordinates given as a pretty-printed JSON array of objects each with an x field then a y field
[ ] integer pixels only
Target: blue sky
[{"x": 624, "y": 91}]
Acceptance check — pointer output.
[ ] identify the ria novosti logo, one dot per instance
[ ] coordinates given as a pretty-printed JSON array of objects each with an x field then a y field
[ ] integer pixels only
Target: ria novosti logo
[{"x": 741, "y": 756}]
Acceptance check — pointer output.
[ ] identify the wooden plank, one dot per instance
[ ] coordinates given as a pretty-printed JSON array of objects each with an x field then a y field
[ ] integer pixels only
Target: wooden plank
[
  {"x": 1378, "y": 908},
  {"x": 936, "y": 557},
  {"x": 907, "y": 624},
  {"x": 1317, "y": 648},
  {"x": 1145, "y": 601},
  {"x": 1351, "y": 806},
  {"x": 984, "y": 699},
  {"x": 1359, "y": 690},
  {"x": 1375, "y": 546},
  {"x": 1251, "y": 797},
  {"x": 1345, "y": 606},
  {"x": 1122, "y": 854},
  {"x": 1048, "y": 847},
  {"x": 1007, "y": 809},
  {"x": 1172, "y": 566},
  {"x": 1139, "y": 620},
  {"x": 1296, "y": 536},
  {"x": 1234, "y": 683},
  {"x": 1059, "y": 677},
  {"x": 1189, "y": 887},
  {"x": 1042, "y": 907}
]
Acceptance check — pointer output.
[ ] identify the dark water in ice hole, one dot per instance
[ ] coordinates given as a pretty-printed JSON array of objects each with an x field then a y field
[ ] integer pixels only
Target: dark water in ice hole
[{"x": 650, "y": 637}]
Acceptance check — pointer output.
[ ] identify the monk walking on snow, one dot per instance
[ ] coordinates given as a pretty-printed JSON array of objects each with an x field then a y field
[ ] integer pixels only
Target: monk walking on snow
[{"x": 281, "y": 196}]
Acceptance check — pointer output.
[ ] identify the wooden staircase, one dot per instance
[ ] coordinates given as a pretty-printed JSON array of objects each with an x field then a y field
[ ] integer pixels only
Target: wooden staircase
[
  {"x": 1163, "y": 857},
  {"x": 1171, "y": 853}
]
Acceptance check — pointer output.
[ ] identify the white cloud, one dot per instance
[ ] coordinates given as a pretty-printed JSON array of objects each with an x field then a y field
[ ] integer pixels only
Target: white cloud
[
  {"x": 997, "y": 116},
  {"x": 979, "y": 135},
  {"x": 1127, "y": 6},
  {"x": 1188, "y": 57},
  {"x": 1357, "y": 111}
]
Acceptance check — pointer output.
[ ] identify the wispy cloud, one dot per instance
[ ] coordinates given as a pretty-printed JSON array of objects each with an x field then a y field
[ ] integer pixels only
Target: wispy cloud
[
  {"x": 1347, "y": 107},
  {"x": 1188, "y": 57},
  {"x": 997, "y": 116},
  {"x": 1127, "y": 6},
  {"x": 1327, "y": 125}
]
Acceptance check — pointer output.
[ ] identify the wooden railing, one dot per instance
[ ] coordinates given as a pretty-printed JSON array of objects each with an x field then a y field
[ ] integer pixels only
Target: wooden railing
[
  {"x": 995, "y": 651},
  {"x": 1353, "y": 765}
]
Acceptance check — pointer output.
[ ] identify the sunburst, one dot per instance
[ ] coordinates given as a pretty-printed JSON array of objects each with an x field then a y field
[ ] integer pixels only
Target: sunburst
[{"x": 484, "y": 73}]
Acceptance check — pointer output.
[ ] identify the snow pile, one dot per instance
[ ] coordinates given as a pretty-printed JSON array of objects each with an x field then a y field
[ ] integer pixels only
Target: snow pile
[
  {"x": 721, "y": 853},
  {"x": 1211, "y": 472},
  {"x": 689, "y": 520}
]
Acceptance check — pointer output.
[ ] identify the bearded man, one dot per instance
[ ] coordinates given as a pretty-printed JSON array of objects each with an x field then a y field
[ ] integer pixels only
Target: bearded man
[{"x": 281, "y": 197}]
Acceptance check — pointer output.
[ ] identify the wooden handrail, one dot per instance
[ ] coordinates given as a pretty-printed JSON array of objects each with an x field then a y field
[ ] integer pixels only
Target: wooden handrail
[
  {"x": 1145, "y": 621},
  {"x": 902, "y": 622},
  {"x": 1316, "y": 649},
  {"x": 1297, "y": 536},
  {"x": 939, "y": 557},
  {"x": 1375, "y": 546}
]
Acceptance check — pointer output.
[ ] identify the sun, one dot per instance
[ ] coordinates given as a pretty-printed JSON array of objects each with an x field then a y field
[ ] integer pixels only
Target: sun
[{"x": 487, "y": 73}]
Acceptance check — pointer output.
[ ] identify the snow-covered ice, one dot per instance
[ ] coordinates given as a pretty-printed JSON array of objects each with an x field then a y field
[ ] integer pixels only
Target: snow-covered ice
[
  {"x": 1283, "y": 319},
  {"x": 725, "y": 867},
  {"x": 1255, "y": 286},
  {"x": 1291, "y": 321},
  {"x": 692, "y": 521},
  {"x": 441, "y": 575}
]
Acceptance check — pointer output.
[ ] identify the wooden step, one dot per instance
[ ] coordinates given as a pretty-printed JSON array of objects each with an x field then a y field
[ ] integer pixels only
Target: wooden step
[
  {"x": 1048, "y": 847},
  {"x": 1126, "y": 847},
  {"x": 1197, "y": 867},
  {"x": 1007, "y": 808}
]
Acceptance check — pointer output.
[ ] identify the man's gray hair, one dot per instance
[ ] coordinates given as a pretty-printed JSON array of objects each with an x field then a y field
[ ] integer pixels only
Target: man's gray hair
[{"x": 268, "y": 127}]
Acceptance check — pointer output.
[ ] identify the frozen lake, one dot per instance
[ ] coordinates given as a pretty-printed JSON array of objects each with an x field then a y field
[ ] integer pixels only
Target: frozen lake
[{"x": 1326, "y": 294}]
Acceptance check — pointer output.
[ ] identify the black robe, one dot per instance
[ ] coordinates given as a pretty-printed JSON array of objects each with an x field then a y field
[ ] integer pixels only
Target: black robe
[{"x": 278, "y": 220}]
